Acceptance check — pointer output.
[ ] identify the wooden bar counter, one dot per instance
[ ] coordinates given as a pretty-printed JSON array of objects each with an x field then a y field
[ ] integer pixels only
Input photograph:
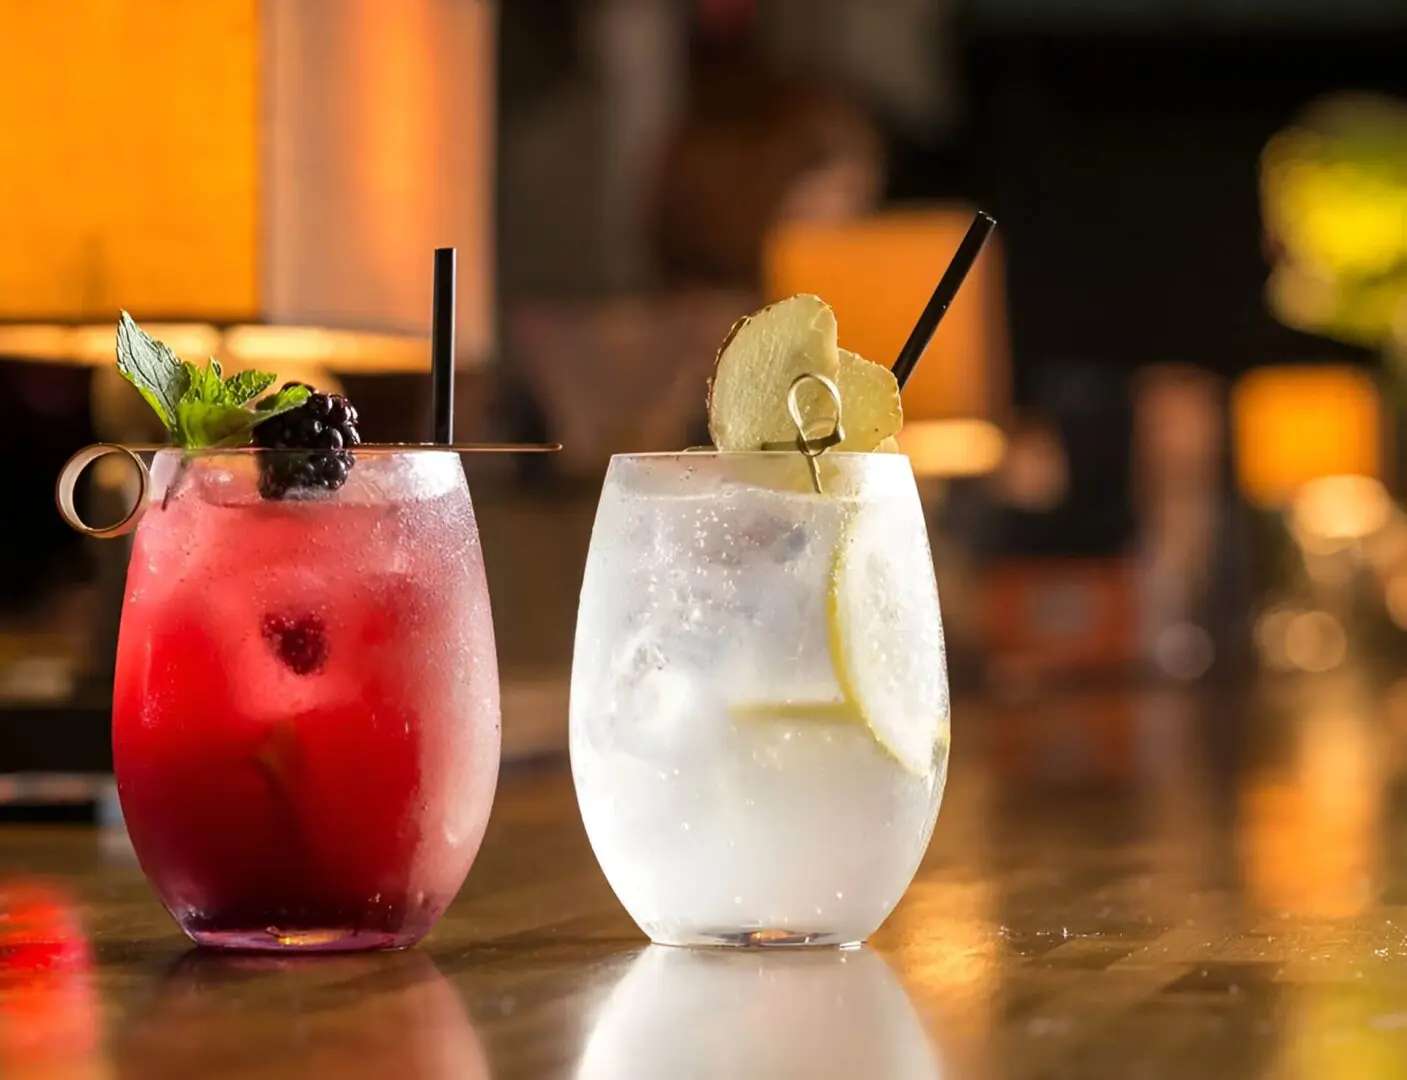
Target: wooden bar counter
[{"x": 1120, "y": 885}]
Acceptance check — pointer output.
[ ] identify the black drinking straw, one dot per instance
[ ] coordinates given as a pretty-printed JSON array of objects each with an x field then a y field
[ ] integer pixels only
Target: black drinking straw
[
  {"x": 442, "y": 347},
  {"x": 948, "y": 286}
]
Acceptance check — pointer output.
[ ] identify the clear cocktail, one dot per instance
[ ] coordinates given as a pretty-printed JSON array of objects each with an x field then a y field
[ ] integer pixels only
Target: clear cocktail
[
  {"x": 759, "y": 724},
  {"x": 759, "y": 706}
]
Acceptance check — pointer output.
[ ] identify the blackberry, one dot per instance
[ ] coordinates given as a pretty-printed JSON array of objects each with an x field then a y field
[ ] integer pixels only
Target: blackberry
[{"x": 325, "y": 426}]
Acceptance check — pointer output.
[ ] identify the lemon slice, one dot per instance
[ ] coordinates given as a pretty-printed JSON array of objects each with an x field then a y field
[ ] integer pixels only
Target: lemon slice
[
  {"x": 762, "y": 355},
  {"x": 886, "y": 636},
  {"x": 832, "y": 712},
  {"x": 869, "y": 401}
]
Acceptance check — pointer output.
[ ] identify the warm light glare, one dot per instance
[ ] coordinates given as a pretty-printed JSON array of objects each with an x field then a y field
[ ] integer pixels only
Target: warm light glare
[
  {"x": 265, "y": 347},
  {"x": 51, "y": 1022},
  {"x": 1296, "y": 424},
  {"x": 95, "y": 346},
  {"x": 1315, "y": 641},
  {"x": 1270, "y": 638},
  {"x": 130, "y": 158},
  {"x": 952, "y": 447},
  {"x": 1386, "y": 549},
  {"x": 1289, "y": 639},
  {"x": 246, "y": 161},
  {"x": 344, "y": 351},
  {"x": 1341, "y": 508},
  {"x": 1309, "y": 841},
  {"x": 39, "y": 342}
]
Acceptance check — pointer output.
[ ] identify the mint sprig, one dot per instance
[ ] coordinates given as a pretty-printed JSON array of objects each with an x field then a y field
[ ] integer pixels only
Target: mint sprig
[{"x": 199, "y": 407}]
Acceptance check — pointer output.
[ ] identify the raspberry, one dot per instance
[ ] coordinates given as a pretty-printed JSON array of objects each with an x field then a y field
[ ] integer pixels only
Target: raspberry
[
  {"x": 300, "y": 641},
  {"x": 325, "y": 426}
]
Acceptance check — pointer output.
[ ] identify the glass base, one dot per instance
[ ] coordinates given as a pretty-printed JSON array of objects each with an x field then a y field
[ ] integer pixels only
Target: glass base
[
  {"x": 758, "y": 938},
  {"x": 273, "y": 939}
]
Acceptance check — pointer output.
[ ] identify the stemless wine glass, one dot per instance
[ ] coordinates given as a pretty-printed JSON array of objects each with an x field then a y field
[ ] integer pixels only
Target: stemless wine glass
[
  {"x": 306, "y": 712},
  {"x": 759, "y": 702}
]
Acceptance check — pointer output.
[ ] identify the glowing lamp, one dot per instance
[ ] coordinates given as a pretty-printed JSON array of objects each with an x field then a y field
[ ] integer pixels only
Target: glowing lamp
[
  {"x": 231, "y": 161},
  {"x": 1293, "y": 425}
]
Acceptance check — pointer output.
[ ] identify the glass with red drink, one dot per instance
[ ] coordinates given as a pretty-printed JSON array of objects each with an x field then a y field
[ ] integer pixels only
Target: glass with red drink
[
  {"x": 305, "y": 704},
  {"x": 305, "y": 713}
]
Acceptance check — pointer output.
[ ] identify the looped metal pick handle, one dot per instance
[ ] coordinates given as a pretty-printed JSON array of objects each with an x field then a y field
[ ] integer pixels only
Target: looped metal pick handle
[
  {"x": 811, "y": 447},
  {"x": 68, "y": 481}
]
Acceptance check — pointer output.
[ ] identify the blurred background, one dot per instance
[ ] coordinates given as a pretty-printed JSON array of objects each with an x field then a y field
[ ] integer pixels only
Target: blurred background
[{"x": 1157, "y": 435}]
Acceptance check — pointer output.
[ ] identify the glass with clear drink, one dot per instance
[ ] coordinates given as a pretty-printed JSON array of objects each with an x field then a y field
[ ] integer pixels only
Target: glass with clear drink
[{"x": 759, "y": 705}]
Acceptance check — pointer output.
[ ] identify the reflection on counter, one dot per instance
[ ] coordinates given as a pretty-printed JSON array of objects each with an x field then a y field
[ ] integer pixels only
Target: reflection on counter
[
  {"x": 809, "y": 1013},
  {"x": 1311, "y": 825},
  {"x": 372, "y": 1016},
  {"x": 51, "y": 1019}
]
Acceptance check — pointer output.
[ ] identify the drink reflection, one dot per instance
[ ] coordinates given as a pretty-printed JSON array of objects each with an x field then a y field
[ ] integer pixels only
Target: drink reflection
[
  {"x": 369, "y": 1016},
  {"x": 50, "y": 1014},
  {"x": 1311, "y": 829},
  {"x": 813, "y": 1014}
]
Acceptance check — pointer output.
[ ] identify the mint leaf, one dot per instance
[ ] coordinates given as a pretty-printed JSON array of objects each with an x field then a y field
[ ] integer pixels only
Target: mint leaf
[
  {"x": 152, "y": 368},
  {"x": 207, "y": 423},
  {"x": 199, "y": 406},
  {"x": 203, "y": 384},
  {"x": 246, "y": 386},
  {"x": 220, "y": 423},
  {"x": 287, "y": 399}
]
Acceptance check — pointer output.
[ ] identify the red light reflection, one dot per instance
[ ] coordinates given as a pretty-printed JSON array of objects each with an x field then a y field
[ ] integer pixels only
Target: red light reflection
[{"x": 50, "y": 1016}]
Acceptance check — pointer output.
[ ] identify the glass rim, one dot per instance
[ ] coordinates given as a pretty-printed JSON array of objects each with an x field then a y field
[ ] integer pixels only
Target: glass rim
[
  {"x": 827, "y": 473},
  {"x": 356, "y": 450},
  {"x": 66, "y": 485},
  {"x": 710, "y": 454}
]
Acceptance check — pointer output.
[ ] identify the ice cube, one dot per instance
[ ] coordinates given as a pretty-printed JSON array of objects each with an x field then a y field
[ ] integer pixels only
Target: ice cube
[
  {"x": 245, "y": 622},
  {"x": 664, "y": 702},
  {"x": 735, "y": 532},
  {"x": 377, "y": 478},
  {"x": 221, "y": 480}
]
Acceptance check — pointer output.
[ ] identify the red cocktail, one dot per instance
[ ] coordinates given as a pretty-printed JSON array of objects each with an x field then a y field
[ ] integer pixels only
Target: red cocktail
[{"x": 305, "y": 717}]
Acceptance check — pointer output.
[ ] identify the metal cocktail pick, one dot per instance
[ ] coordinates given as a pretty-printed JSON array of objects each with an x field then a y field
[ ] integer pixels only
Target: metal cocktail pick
[
  {"x": 66, "y": 488},
  {"x": 811, "y": 447}
]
